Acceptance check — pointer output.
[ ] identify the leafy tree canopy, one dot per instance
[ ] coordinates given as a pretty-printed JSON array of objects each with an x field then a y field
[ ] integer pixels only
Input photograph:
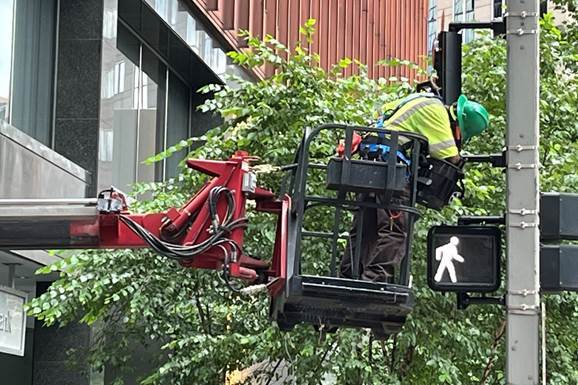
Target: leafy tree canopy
[{"x": 203, "y": 330}]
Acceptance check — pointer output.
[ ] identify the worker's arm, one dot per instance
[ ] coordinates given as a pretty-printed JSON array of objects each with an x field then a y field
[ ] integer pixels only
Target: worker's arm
[
  {"x": 355, "y": 142},
  {"x": 454, "y": 159},
  {"x": 435, "y": 125}
]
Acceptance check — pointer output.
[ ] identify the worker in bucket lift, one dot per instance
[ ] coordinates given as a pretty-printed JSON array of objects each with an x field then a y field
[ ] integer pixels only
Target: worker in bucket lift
[{"x": 446, "y": 128}]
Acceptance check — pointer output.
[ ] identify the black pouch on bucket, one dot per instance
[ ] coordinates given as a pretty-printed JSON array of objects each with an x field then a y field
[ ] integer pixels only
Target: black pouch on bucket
[{"x": 439, "y": 182}]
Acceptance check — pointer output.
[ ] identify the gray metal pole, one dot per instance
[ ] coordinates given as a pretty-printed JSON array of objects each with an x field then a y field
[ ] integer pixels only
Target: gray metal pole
[{"x": 523, "y": 300}]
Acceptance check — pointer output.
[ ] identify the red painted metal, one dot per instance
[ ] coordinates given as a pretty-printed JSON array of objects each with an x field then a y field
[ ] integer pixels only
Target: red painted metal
[
  {"x": 341, "y": 31},
  {"x": 382, "y": 37},
  {"x": 241, "y": 20},
  {"x": 355, "y": 31},
  {"x": 368, "y": 30},
  {"x": 304, "y": 15},
  {"x": 282, "y": 18},
  {"x": 256, "y": 21},
  {"x": 375, "y": 38},
  {"x": 228, "y": 14},
  {"x": 294, "y": 14},
  {"x": 278, "y": 267},
  {"x": 212, "y": 5},
  {"x": 191, "y": 224},
  {"x": 348, "y": 32},
  {"x": 315, "y": 14},
  {"x": 363, "y": 32},
  {"x": 270, "y": 26}
]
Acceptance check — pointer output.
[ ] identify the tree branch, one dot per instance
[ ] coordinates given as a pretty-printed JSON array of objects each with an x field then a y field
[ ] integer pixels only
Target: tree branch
[
  {"x": 274, "y": 370},
  {"x": 204, "y": 319},
  {"x": 497, "y": 337},
  {"x": 330, "y": 349}
]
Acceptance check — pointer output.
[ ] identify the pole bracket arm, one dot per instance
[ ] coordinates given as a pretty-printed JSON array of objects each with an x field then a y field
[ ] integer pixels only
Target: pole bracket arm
[
  {"x": 522, "y": 293},
  {"x": 524, "y": 309},
  {"x": 465, "y": 300},
  {"x": 522, "y": 14},
  {"x": 496, "y": 160},
  {"x": 519, "y": 166},
  {"x": 498, "y": 26},
  {"x": 524, "y": 225},
  {"x": 521, "y": 32},
  {"x": 522, "y": 147},
  {"x": 523, "y": 212}
]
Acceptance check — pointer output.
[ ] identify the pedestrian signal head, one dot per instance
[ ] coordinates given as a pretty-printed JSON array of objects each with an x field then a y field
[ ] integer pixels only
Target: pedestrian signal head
[
  {"x": 473, "y": 118},
  {"x": 464, "y": 258}
]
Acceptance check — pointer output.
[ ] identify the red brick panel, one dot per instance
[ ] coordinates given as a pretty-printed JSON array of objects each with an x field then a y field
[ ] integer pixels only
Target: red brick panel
[{"x": 367, "y": 30}]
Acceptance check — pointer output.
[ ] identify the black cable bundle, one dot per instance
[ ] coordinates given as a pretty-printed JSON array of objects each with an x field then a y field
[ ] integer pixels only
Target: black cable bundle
[{"x": 219, "y": 230}]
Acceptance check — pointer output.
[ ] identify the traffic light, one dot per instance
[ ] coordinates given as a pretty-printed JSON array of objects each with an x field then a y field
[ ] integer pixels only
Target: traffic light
[
  {"x": 558, "y": 222},
  {"x": 447, "y": 61},
  {"x": 464, "y": 258},
  {"x": 559, "y": 268}
]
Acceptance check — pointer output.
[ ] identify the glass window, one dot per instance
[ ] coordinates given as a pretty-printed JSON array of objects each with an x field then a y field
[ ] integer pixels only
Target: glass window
[
  {"x": 178, "y": 15},
  {"x": 28, "y": 46},
  {"x": 178, "y": 115},
  {"x": 431, "y": 25},
  {"x": 151, "y": 115},
  {"x": 6, "y": 18},
  {"x": 458, "y": 10},
  {"x": 497, "y": 8},
  {"x": 119, "y": 111},
  {"x": 464, "y": 10},
  {"x": 145, "y": 108},
  {"x": 469, "y": 33}
]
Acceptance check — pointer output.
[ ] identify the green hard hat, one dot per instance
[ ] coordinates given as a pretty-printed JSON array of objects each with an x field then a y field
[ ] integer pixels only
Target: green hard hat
[{"x": 473, "y": 118}]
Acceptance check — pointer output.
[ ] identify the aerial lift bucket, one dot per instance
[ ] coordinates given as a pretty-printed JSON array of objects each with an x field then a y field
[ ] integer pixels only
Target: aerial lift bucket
[{"x": 321, "y": 297}]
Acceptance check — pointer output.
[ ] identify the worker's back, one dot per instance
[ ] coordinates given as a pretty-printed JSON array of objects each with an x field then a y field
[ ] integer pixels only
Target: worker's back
[{"x": 427, "y": 116}]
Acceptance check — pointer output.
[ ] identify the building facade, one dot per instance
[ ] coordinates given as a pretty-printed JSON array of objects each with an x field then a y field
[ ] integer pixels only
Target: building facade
[
  {"x": 366, "y": 30},
  {"x": 443, "y": 12},
  {"x": 91, "y": 88}
]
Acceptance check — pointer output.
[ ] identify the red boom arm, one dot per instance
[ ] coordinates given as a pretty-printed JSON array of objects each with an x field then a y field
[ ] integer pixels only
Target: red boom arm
[{"x": 207, "y": 232}]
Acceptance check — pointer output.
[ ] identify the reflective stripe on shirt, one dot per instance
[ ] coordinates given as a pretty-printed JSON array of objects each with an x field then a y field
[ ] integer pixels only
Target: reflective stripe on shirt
[
  {"x": 429, "y": 117},
  {"x": 436, "y": 147},
  {"x": 407, "y": 114}
]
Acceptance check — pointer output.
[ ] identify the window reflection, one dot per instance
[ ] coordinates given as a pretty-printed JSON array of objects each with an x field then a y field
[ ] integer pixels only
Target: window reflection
[
  {"x": 27, "y": 56},
  {"x": 151, "y": 121},
  {"x": 134, "y": 126},
  {"x": 468, "y": 15},
  {"x": 147, "y": 107},
  {"x": 177, "y": 15},
  {"x": 178, "y": 107},
  {"x": 431, "y": 25},
  {"x": 119, "y": 111},
  {"x": 6, "y": 16}
]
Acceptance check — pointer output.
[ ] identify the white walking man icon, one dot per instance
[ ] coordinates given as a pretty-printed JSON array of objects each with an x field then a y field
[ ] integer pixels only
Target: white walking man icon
[{"x": 447, "y": 254}]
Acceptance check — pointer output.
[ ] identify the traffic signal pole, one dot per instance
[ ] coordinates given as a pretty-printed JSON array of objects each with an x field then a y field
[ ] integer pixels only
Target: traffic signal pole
[{"x": 523, "y": 299}]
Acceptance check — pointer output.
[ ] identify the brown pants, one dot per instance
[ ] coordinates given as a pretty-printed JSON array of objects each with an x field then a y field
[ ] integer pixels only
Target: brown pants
[{"x": 383, "y": 242}]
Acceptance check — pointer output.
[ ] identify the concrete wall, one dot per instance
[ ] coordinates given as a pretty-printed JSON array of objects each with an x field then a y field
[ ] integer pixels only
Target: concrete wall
[{"x": 28, "y": 169}]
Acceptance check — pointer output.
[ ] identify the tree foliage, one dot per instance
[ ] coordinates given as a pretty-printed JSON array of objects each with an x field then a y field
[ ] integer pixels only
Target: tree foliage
[{"x": 204, "y": 331}]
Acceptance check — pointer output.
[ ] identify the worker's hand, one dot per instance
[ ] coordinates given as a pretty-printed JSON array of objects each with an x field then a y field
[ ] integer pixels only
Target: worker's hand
[
  {"x": 456, "y": 160},
  {"x": 354, "y": 145}
]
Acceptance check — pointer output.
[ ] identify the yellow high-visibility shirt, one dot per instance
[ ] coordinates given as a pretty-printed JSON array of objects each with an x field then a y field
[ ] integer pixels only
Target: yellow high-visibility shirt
[{"x": 426, "y": 116}]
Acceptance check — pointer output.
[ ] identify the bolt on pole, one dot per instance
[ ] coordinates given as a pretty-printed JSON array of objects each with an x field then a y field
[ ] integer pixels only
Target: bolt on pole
[{"x": 523, "y": 299}]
